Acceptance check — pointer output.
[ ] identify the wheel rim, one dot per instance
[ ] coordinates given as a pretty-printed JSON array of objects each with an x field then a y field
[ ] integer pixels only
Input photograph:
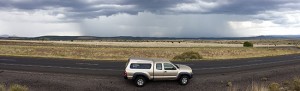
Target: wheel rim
[
  {"x": 184, "y": 80},
  {"x": 140, "y": 82}
]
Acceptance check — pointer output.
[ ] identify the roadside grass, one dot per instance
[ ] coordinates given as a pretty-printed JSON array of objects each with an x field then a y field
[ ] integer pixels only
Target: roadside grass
[
  {"x": 17, "y": 87},
  {"x": 253, "y": 87},
  {"x": 2, "y": 87},
  {"x": 123, "y": 53},
  {"x": 292, "y": 85},
  {"x": 257, "y": 87},
  {"x": 14, "y": 87}
]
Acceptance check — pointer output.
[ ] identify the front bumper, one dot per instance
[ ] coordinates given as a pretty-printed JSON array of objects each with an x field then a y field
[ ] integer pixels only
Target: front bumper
[{"x": 191, "y": 75}]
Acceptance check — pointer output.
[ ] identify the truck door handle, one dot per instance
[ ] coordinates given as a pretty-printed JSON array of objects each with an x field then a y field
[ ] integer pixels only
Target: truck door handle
[{"x": 165, "y": 71}]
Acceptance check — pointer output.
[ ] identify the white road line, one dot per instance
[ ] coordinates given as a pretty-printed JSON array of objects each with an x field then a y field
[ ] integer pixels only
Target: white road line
[
  {"x": 244, "y": 65},
  {"x": 86, "y": 64},
  {"x": 58, "y": 67},
  {"x": 8, "y": 60}
]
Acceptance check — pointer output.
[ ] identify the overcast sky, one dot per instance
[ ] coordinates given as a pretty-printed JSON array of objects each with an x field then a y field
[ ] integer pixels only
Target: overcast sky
[{"x": 150, "y": 18}]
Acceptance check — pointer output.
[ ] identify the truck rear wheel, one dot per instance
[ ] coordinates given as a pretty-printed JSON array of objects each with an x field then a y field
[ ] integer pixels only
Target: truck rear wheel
[
  {"x": 184, "y": 80},
  {"x": 140, "y": 81}
]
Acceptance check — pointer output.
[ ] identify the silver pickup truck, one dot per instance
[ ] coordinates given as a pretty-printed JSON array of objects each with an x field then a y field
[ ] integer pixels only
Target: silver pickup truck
[{"x": 141, "y": 70}]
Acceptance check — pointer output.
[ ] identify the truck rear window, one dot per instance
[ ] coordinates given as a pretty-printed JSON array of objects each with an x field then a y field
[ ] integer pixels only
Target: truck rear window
[{"x": 140, "y": 66}]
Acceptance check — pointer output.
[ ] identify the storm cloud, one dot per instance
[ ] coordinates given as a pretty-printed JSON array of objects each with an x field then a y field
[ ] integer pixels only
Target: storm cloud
[
  {"x": 175, "y": 18},
  {"x": 95, "y": 8}
]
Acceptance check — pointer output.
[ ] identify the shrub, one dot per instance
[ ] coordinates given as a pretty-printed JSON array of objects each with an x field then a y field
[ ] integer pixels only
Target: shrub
[
  {"x": 229, "y": 84},
  {"x": 296, "y": 85},
  {"x": 248, "y": 44},
  {"x": 274, "y": 87},
  {"x": 16, "y": 87},
  {"x": 188, "y": 56}
]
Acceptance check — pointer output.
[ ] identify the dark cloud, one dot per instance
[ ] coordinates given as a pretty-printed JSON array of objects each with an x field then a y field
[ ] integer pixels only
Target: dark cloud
[
  {"x": 78, "y": 9},
  {"x": 38, "y": 4},
  {"x": 155, "y": 6},
  {"x": 250, "y": 7}
]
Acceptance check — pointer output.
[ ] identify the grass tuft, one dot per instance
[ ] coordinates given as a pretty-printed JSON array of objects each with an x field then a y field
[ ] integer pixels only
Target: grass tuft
[
  {"x": 16, "y": 87},
  {"x": 274, "y": 87},
  {"x": 253, "y": 87},
  {"x": 296, "y": 84},
  {"x": 2, "y": 87},
  {"x": 229, "y": 84}
]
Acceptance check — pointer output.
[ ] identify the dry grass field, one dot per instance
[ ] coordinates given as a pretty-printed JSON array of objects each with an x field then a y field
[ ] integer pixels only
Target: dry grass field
[
  {"x": 161, "y": 43},
  {"x": 257, "y": 42},
  {"x": 123, "y": 50}
]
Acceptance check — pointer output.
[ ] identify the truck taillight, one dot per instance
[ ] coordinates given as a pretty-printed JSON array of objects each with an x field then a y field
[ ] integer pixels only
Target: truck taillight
[{"x": 125, "y": 73}]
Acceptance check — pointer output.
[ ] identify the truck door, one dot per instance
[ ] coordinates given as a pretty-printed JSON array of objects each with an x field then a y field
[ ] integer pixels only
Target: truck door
[
  {"x": 158, "y": 71},
  {"x": 170, "y": 71}
]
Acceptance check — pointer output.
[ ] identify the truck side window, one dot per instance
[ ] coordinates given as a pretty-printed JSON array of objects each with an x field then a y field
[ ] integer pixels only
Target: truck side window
[
  {"x": 140, "y": 66},
  {"x": 158, "y": 66},
  {"x": 169, "y": 66}
]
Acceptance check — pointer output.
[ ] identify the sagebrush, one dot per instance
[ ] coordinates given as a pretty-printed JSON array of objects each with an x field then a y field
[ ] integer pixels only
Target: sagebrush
[{"x": 191, "y": 55}]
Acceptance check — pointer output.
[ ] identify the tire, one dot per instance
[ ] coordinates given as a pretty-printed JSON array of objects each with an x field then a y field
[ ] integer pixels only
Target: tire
[
  {"x": 140, "y": 81},
  {"x": 184, "y": 80}
]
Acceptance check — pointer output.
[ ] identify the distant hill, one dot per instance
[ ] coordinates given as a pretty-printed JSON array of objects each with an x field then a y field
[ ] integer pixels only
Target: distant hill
[
  {"x": 147, "y": 38},
  {"x": 97, "y": 38},
  {"x": 284, "y": 36},
  {"x": 4, "y": 36}
]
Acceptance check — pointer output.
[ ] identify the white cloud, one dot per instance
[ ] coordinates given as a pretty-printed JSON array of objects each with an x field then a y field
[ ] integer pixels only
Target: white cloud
[
  {"x": 3, "y": 28},
  {"x": 284, "y": 16},
  {"x": 279, "y": 22},
  {"x": 35, "y": 16},
  {"x": 29, "y": 29},
  {"x": 199, "y": 6},
  {"x": 36, "y": 23},
  {"x": 245, "y": 25}
]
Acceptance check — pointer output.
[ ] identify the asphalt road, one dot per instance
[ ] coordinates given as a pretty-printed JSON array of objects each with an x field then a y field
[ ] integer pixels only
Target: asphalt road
[{"x": 109, "y": 68}]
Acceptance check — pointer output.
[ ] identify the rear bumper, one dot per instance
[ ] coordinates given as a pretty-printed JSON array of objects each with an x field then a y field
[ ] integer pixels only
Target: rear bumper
[{"x": 125, "y": 77}]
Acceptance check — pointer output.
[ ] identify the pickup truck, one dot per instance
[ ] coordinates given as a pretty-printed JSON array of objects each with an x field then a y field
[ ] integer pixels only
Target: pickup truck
[{"x": 141, "y": 70}]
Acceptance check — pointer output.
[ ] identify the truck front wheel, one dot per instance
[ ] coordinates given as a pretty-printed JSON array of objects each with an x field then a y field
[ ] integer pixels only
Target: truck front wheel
[{"x": 184, "y": 80}]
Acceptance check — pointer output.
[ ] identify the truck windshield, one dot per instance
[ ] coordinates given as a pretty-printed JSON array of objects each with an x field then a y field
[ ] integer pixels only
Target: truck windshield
[
  {"x": 127, "y": 62},
  {"x": 176, "y": 66}
]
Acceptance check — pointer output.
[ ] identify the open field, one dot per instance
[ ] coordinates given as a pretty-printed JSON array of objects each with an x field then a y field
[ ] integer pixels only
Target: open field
[
  {"x": 257, "y": 42},
  {"x": 161, "y": 43},
  {"x": 123, "y": 50}
]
